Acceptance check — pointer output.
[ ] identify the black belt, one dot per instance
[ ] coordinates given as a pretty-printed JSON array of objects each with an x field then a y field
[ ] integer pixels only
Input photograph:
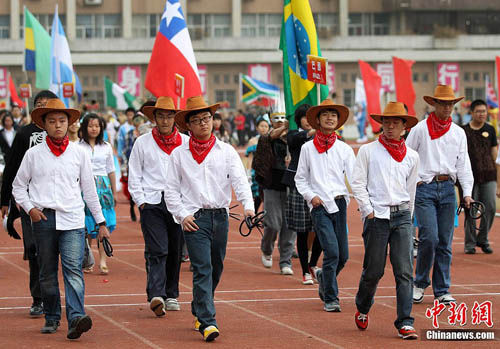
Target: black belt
[
  {"x": 338, "y": 197},
  {"x": 212, "y": 210}
]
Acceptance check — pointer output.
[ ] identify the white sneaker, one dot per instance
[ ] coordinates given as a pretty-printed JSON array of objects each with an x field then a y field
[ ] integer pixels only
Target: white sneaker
[
  {"x": 446, "y": 299},
  {"x": 307, "y": 279},
  {"x": 418, "y": 294},
  {"x": 286, "y": 271},
  {"x": 267, "y": 261},
  {"x": 157, "y": 305},
  {"x": 172, "y": 304}
]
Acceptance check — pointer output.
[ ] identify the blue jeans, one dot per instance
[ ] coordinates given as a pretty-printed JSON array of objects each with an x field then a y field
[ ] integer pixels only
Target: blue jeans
[
  {"x": 70, "y": 244},
  {"x": 332, "y": 234},
  {"x": 377, "y": 234},
  {"x": 361, "y": 125},
  {"x": 207, "y": 250},
  {"x": 435, "y": 205}
]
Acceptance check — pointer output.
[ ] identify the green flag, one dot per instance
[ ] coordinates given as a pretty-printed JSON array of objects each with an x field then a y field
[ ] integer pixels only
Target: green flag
[
  {"x": 37, "y": 50},
  {"x": 298, "y": 39},
  {"x": 116, "y": 96}
]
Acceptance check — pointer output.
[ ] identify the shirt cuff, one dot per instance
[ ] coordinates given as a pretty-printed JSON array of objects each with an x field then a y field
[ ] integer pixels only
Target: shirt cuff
[
  {"x": 249, "y": 205},
  {"x": 308, "y": 196},
  {"x": 365, "y": 210},
  {"x": 27, "y": 207}
]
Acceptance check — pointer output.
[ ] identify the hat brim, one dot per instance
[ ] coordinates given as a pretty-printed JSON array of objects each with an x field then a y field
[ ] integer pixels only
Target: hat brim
[
  {"x": 180, "y": 116},
  {"x": 149, "y": 111},
  {"x": 38, "y": 113},
  {"x": 432, "y": 100},
  {"x": 410, "y": 120},
  {"x": 313, "y": 112}
]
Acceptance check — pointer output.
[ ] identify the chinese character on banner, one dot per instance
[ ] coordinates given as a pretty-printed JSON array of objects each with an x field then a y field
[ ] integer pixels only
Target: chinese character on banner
[
  {"x": 434, "y": 312},
  {"x": 202, "y": 72},
  {"x": 386, "y": 73},
  {"x": 331, "y": 77},
  {"x": 458, "y": 314},
  {"x": 129, "y": 77},
  {"x": 260, "y": 72},
  {"x": 3, "y": 83},
  {"x": 482, "y": 313},
  {"x": 448, "y": 74}
]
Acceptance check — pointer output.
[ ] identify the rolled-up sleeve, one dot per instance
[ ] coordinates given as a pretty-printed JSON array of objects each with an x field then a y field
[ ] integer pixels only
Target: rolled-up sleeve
[
  {"x": 464, "y": 169},
  {"x": 135, "y": 168}
]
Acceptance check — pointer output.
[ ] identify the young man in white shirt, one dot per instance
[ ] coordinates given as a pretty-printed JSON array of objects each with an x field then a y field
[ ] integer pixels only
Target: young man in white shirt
[
  {"x": 384, "y": 184},
  {"x": 149, "y": 165},
  {"x": 198, "y": 193},
  {"x": 444, "y": 159},
  {"x": 324, "y": 164},
  {"x": 49, "y": 186}
]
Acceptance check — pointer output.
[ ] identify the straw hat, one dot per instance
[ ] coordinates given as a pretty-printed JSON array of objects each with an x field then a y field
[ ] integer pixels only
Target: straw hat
[
  {"x": 442, "y": 93},
  {"x": 54, "y": 105},
  {"x": 162, "y": 103},
  {"x": 313, "y": 113},
  {"x": 196, "y": 103},
  {"x": 396, "y": 110}
]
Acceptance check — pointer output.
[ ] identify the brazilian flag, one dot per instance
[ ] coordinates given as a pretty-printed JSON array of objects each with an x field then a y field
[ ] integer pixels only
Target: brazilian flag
[{"x": 298, "y": 39}]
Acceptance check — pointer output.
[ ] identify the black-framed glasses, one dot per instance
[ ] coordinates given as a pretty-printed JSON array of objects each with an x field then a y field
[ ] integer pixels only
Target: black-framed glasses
[{"x": 205, "y": 120}]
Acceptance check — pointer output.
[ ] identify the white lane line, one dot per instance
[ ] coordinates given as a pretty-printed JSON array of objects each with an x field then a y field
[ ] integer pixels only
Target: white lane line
[
  {"x": 14, "y": 265},
  {"x": 123, "y": 328}
]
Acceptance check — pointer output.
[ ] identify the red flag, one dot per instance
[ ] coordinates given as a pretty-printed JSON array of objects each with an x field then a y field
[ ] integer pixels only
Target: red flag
[
  {"x": 497, "y": 59},
  {"x": 13, "y": 93},
  {"x": 373, "y": 83},
  {"x": 403, "y": 78}
]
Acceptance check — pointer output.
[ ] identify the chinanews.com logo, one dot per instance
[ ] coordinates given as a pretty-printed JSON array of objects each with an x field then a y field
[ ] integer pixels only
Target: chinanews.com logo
[{"x": 480, "y": 313}]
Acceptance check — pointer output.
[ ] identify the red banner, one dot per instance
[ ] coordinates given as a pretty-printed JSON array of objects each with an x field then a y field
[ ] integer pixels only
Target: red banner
[
  {"x": 13, "y": 93},
  {"x": 403, "y": 79},
  {"x": 497, "y": 60},
  {"x": 373, "y": 83}
]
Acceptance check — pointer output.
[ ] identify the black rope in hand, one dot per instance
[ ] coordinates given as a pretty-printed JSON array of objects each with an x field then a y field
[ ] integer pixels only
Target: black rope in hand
[
  {"x": 253, "y": 222},
  {"x": 106, "y": 245},
  {"x": 475, "y": 211}
]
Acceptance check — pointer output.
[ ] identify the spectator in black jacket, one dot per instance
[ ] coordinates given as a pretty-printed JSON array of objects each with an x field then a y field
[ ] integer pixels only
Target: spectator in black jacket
[
  {"x": 26, "y": 137},
  {"x": 7, "y": 134}
]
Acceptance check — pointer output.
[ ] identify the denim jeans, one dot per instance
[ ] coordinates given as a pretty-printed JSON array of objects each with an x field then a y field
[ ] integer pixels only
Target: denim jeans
[
  {"x": 70, "y": 244},
  {"x": 332, "y": 234},
  {"x": 377, "y": 234},
  {"x": 163, "y": 242},
  {"x": 484, "y": 192},
  {"x": 207, "y": 250},
  {"x": 435, "y": 205}
]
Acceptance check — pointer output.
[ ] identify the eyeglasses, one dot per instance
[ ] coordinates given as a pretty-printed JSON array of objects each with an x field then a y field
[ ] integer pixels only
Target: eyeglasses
[{"x": 205, "y": 120}]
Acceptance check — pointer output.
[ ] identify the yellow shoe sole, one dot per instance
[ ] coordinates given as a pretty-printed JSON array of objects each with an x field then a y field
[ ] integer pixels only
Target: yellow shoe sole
[{"x": 210, "y": 333}]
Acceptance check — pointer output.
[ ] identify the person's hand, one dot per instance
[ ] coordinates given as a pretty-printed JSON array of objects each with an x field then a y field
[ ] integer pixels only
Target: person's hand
[
  {"x": 5, "y": 211},
  {"x": 103, "y": 233},
  {"x": 370, "y": 216},
  {"x": 468, "y": 200},
  {"x": 142, "y": 206},
  {"x": 188, "y": 224},
  {"x": 37, "y": 215},
  {"x": 316, "y": 201},
  {"x": 249, "y": 213}
]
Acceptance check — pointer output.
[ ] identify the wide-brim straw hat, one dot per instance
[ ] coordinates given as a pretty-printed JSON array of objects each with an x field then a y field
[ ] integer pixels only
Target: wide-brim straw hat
[
  {"x": 162, "y": 103},
  {"x": 396, "y": 110},
  {"x": 54, "y": 105},
  {"x": 442, "y": 93},
  {"x": 313, "y": 113},
  {"x": 196, "y": 103}
]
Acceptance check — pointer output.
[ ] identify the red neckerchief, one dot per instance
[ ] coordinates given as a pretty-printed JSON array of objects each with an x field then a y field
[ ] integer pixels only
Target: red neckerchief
[
  {"x": 57, "y": 146},
  {"x": 200, "y": 149},
  {"x": 167, "y": 143},
  {"x": 397, "y": 149},
  {"x": 324, "y": 142},
  {"x": 436, "y": 126}
]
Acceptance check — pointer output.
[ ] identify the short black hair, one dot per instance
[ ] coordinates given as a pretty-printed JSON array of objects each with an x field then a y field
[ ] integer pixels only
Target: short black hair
[
  {"x": 194, "y": 112},
  {"x": 148, "y": 103},
  {"x": 300, "y": 112},
  {"x": 129, "y": 109},
  {"x": 477, "y": 103},
  {"x": 44, "y": 94},
  {"x": 5, "y": 116},
  {"x": 217, "y": 116},
  {"x": 84, "y": 129}
]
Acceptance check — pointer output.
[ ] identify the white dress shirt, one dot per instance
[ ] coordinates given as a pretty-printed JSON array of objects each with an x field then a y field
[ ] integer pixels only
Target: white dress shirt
[
  {"x": 446, "y": 155},
  {"x": 192, "y": 186},
  {"x": 101, "y": 157},
  {"x": 148, "y": 167},
  {"x": 324, "y": 174},
  {"x": 379, "y": 181},
  {"x": 57, "y": 182}
]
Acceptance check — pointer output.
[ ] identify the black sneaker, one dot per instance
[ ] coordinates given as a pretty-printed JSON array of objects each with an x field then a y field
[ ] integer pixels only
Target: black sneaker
[
  {"x": 50, "y": 326},
  {"x": 78, "y": 326},
  {"x": 470, "y": 251},
  {"x": 36, "y": 309},
  {"x": 486, "y": 249}
]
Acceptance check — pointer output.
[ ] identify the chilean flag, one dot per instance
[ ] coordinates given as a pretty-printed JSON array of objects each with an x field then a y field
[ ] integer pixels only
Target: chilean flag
[{"x": 173, "y": 53}]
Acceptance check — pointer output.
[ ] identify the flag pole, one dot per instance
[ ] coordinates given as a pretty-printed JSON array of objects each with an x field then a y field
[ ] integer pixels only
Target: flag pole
[{"x": 26, "y": 101}]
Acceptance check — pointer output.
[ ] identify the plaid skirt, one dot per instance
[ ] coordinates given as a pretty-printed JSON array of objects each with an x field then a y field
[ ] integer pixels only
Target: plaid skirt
[{"x": 297, "y": 214}]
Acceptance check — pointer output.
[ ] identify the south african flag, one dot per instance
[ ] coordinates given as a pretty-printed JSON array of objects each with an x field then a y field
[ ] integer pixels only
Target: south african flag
[{"x": 253, "y": 90}]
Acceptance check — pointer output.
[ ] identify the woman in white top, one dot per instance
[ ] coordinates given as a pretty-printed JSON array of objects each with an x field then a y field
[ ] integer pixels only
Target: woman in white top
[
  {"x": 7, "y": 134},
  {"x": 103, "y": 169}
]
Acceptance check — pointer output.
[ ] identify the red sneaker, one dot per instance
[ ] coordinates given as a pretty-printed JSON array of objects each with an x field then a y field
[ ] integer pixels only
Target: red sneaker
[
  {"x": 361, "y": 320},
  {"x": 407, "y": 332}
]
